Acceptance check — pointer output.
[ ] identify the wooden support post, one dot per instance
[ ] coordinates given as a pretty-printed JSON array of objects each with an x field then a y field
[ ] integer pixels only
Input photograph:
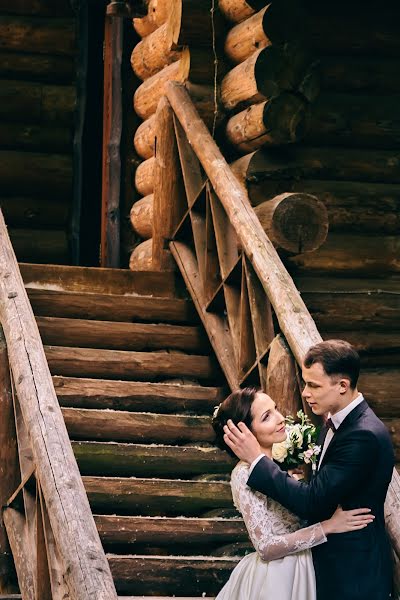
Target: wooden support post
[
  {"x": 9, "y": 470},
  {"x": 86, "y": 568},
  {"x": 112, "y": 128},
  {"x": 15, "y": 524}
]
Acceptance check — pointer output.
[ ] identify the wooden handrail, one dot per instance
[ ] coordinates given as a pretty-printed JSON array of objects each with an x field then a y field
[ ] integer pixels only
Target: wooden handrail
[
  {"x": 86, "y": 569},
  {"x": 294, "y": 319}
]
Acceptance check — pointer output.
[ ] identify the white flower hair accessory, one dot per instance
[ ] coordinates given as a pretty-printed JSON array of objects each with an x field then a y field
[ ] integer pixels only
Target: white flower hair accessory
[{"x": 215, "y": 413}]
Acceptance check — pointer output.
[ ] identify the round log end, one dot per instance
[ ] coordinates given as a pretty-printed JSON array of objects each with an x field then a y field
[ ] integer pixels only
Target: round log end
[
  {"x": 142, "y": 258},
  {"x": 141, "y": 217},
  {"x": 295, "y": 222}
]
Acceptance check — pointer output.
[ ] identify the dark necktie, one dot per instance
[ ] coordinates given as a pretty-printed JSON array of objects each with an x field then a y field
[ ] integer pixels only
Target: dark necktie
[{"x": 330, "y": 425}]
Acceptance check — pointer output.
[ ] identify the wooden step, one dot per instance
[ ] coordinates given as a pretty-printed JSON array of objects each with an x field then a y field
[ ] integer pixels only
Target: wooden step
[
  {"x": 119, "y": 364},
  {"x": 121, "y": 336},
  {"x": 162, "y": 497},
  {"x": 106, "y": 307},
  {"x": 155, "y": 575},
  {"x": 98, "y": 280},
  {"x": 136, "y": 395},
  {"x": 93, "y": 424},
  {"x": 115, "y": 529},
  {"x": 138, "y": 460}
]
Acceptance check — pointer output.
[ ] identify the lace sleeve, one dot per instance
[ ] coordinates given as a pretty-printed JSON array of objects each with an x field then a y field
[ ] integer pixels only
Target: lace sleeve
[{"x": 264, "y": 525}]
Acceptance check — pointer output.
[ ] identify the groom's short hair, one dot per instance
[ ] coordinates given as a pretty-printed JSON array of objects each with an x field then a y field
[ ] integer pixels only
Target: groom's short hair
[{"x": 337, "y": 357}]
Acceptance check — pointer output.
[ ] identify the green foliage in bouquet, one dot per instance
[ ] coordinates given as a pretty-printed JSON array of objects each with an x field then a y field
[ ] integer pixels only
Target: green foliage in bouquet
[{"x": 300, "y": 445}]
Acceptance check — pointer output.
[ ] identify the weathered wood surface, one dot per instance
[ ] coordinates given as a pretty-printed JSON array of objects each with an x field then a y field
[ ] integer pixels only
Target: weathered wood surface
[
  {"x": 382, "y": 391},
  {"x": 281, "y": 378},
  {"x": 141, "y": 259},
  {"x": 120, "y": 336},
  {"x": 40, "y": 245},
  {"x": 37, "y": 102},
  {"x": 351, "y": 205},
  {"x": 34, "y": 213},
  {"x": 144, "y": 177},
  {"x": 120, "y": 364},
  {"x": 51, "y": 303},
  {"x": 120, "y": 282},
  {"x": 166, "y": 531},
  {"x": 147, "y": 95},
  {"x": 161, "y": 575},
  {"x": 156, "y": 496},
  {"x": 294, "y": 222},
  {"x": 17, "y": 537},
  {"x": 71, "y": 519},
  {"x": 39, "y": 35},
  {"x": 48, "y": 175},
  {"x": 141, "y": 217},
  {"x": 155, "y": 52},
  {"x": 37, "y": 67},
  {"x": 294, "y": 319},
  {"x": 43, "y": 138},
  {"x": 144, "y": 138},
  {"x": 8, "y": 461},
  {"x": 123, "y": 426},
  {"x": 138, "y": 460},
  {"x": 239, "y": 10},
  {"x": 280, "y": 120},
  {"x": 175, "y": 397}
]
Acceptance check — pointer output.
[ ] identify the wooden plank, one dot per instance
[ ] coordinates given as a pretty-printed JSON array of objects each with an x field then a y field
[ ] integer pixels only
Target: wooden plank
[
  {"x": 9, "y": 468},
  {"x": 85, "y": 424},
  {"x": 120, "y": 364},
  {"x": 165, "y": 531},
  {"x": 97, "y": 280},
  {"x": 138, "y": 460},
  {"x": 156, "y": 496},
  {"x": 261, "y": 313},
  {"x": 136, "y": 396},
  {"x": 121, "y": 336},
  {"x": 15, "y": 525},
  {"x": 70, "y": 515},
  {"x": 165, "y": 575},
  {"x": 54, "y": 303},
  {"x": 282, "y": 380}
]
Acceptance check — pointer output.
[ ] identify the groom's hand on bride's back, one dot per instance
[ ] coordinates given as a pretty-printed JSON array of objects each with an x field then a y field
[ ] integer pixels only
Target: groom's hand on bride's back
[{"x": 242, "y": 441}]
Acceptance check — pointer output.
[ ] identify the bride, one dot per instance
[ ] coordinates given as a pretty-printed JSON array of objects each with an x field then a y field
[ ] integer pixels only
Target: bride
[{"x": 282, "y": 565}]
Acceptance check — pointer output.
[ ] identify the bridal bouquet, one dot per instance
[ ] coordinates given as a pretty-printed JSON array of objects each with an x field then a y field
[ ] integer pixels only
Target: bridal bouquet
[{"x": 299, "y": 446}]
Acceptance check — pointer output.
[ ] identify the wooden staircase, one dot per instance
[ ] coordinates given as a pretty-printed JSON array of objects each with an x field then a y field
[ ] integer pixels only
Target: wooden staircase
[{"x": 137, "y": 382}]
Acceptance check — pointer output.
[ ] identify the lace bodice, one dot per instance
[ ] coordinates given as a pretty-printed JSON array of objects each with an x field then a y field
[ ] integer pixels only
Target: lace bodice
[{"x": 274, "y": 531}]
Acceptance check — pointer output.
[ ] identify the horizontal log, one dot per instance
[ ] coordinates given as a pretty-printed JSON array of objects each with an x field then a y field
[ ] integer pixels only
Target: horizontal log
[
  {"x": 164, "y": 531},
  {"x": 294, "y": 222},
  {"x": 120, "y": 364},
  {"x": 40, "y": 245},
  {"x": 53, "y": 303},
  {"x": 155, "y": 51},
  {"x": 47, "y": 8},
  {"x": 37, "y": 67},
  {"x": 141, "y": 259},
  {"x": 141, "y": 217},
  {"x": 275, "y": 23},
  {"x": 359, "y": 74},
  {"x": 144, "y": 139},
  {"x": 42, "y": 36},
  {"x": 35, "y": 213},
  {"x": 355, "y": 120},
  {"x": 166, "y": 574},
  {"x": 123, "y": 426},
  {"x": 293, "y": 162},
  {"x": 263, "y": 75},
  {"x": 239, "y": 10},
  {"x": 156, "y": 496},
  {"x": 139, "y": 460},
  {"x": 351, "y": 304},
  {"x": 136, "y": 395},
  {"x": 16, "y": 136},
  {"x": 36, "y": 102},
  {"x": 382, "y": 391},
  {"x": 120, "y": 336},
  {"x": 370, "y": 342},
  {"x": 393, "y": 426},
  {"x": 351, "y": 205},
  {"x": 355, "y": 254},
  {"x": 100, "y": 280},
  {"x": 22, "y": 173},
  {"x": 144, "y": 177},
  {"x": 280, "y": 120}
]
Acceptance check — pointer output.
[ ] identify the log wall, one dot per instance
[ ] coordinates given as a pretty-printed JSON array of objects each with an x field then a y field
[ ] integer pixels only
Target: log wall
[{"x": 37, "y": 103}]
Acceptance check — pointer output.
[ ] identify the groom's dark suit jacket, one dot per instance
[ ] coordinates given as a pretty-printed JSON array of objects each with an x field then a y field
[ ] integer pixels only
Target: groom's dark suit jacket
[{"x": 355, "y": 472}]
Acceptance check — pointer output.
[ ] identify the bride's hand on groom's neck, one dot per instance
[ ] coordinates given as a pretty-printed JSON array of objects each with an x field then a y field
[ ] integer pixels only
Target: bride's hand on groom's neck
[{"x": 242, "y": 441}]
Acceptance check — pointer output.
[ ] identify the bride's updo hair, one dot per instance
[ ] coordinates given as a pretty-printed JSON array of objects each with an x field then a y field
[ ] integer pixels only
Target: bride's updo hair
[{"x": 237, "y": 406}]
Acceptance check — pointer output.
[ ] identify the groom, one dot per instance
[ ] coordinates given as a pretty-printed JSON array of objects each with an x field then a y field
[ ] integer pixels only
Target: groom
[{"x": 355, "y": 469}]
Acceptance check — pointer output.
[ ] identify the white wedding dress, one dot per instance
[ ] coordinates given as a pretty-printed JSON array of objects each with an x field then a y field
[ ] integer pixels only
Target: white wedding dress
[{"x": 282, "y": 567}]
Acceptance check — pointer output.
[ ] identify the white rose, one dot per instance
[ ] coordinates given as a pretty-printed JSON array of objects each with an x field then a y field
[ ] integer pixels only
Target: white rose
[
  {"x": 279, "y": 451},
  {"x": 296, "y": 436}
]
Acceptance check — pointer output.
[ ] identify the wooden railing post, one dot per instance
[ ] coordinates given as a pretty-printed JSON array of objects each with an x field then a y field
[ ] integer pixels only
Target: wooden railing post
[
  {"x": 86, "y": 569},
  {"x": 8, "y": 462}
]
